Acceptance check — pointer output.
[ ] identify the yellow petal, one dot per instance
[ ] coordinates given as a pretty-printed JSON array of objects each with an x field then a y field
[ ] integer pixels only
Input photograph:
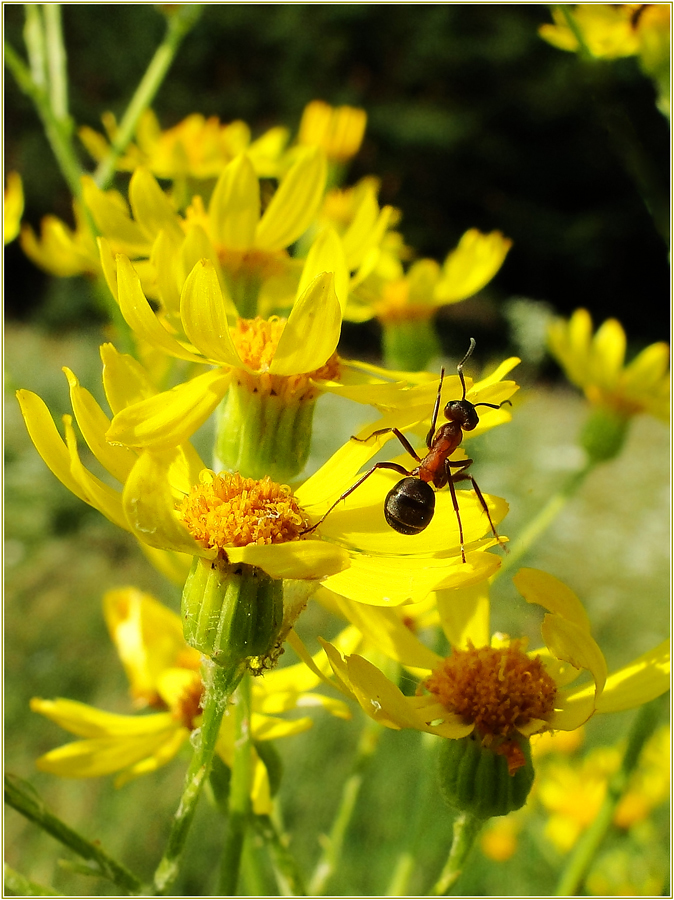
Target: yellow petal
[
  {"x": 161, "y": 755},
  {"x": 464, "y": 614},
  {"x": 48, "y": 442},
  {"x": 552, "y": 594},
  {"x": 125, "y": 381},
  {"x": 326, "y": 255},
  {"x": 172, "y": 417},
  {"x": 573, "y": 643},
  {"x": 642, "y": 680},
  {"x": 234, "y": 209},
  {"x": 295, "y": 559},
  {"x": 102, "y": 756},
  {"x": 113, "y": 221},
  {"x": 87, "y": 721},
  {"x": 97, "y": 494},
  {"x": 151, "y": 207},
  {"x": 311, "y": 333},
  {"x": 139, "y": 315},
  {"x": 165, "y": 258},
  {"x": 149, "y": 504},
  {"x": 295, "y": 204},
  {"x": 471, "y": 265},
  {"x": 608, "y": 353},
  {"x": 204, "y": 314},
  {"x": 269, "y": 728},
  {"x": 93, "y": 423}
]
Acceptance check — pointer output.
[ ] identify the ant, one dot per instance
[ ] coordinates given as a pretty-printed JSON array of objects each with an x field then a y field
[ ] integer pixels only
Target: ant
[{"x": 410, "y": 504}]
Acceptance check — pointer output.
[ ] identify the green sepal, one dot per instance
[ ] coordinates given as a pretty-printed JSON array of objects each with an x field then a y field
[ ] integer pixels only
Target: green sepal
[
  {"x": 604, "y": 434},
  {"x": 475, "y": 779},
  {"x": 231, "y": 612},
  {"x": 262, "y": 434},
  {"x": 410, "y": 345}
]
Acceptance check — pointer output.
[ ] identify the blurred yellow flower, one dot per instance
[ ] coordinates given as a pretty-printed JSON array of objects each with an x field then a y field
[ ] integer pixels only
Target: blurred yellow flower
[
  {"x": 164, "y": 673},
  {"x": 596, "y": 364},
  {"x": 196, "y": 147},
  {"x": 13, "y": 208},
  {"x": 337, "y": 130},
  {"x": 608, "y": 31}
]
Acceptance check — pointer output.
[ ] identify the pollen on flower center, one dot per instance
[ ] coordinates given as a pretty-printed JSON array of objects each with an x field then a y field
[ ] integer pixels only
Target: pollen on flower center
[
  {"x": 232, "y": 511},
  {"x": 256, "y": 341},
  {"x": 499, "y": 689}
]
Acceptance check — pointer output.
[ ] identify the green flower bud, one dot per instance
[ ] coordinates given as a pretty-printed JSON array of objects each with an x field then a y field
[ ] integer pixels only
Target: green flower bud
[
  {"x": 409, "y": 344},
  {"x": 232, "y": 613},
  {"x": 604, "y": 434},
  {"x": 475, "y": 779}
]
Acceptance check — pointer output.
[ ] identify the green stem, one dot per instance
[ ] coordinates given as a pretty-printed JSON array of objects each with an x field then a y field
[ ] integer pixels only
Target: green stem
[
  {"x": 540, "y": 523},
  {"x": 239, "y": 793},
  {"x": 466, "y": 829},
  {"x": 22, "y": 797},
  {"x": 56, "y": 62},
  {"x": 585, "y": 851},
  {"x": 219, "y": 685},
  {"x": 333, "y": 844},
  {"x": 180, "y": 22},
  {"x": 17, "y": 885},
  {"x": 58, "y": 131},
  {"x": 585, "y": 51},
  {"x": 288, "y": 875}
]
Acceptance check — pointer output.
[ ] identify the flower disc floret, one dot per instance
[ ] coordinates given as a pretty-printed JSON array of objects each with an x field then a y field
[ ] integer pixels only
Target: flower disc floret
[
  {"x": 499, "y": 689},
  {"x": 230, "y": 511}
]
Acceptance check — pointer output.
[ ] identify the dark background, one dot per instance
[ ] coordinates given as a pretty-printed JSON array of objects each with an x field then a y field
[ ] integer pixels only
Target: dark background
[{"x": 474, "y": 121}]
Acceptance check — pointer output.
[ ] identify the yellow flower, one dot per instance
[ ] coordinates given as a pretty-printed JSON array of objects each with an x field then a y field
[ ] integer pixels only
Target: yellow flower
[
  {"x": 13, "y": 209},
  {"x": 164, "y": 674},
  {"x": 338, "y": 131},
  {"x": 384, "y": 567},
  {"x": 246, "y": 245},
  {"x": 426, "y": 286},
  {"x": 596, "y": 364},
  {"x": 608, "y": 31},
  {"x": 196, "y": 147},
  {"x": 496, "y": 689}
]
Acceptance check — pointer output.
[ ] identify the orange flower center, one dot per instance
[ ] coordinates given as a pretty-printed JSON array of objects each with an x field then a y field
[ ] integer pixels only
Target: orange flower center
[
  {"x": 232, "y": 511},
  {"x": 188, "y": 706},
  {"x": 499, "y": 689}
]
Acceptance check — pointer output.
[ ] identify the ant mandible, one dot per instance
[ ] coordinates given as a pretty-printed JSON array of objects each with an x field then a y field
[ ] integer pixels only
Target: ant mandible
[{"x": 410, "y": 504}]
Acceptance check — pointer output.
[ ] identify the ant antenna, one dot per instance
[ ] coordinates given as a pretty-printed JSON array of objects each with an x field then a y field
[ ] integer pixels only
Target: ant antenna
[{"x": 459, "y": 368}]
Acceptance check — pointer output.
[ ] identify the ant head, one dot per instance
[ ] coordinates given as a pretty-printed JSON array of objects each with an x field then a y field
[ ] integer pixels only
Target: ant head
[{"x": 463, "y": 413}]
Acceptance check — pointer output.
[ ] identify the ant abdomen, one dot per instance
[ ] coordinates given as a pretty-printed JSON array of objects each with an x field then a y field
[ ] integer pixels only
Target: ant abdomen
[{"x": 410, "y": 506}]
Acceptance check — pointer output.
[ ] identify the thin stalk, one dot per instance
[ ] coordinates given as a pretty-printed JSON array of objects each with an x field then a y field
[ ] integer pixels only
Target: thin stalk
[
  {"x": 22, "y": 797},
  {"x": 179, "y": 22},
  {"x": 334, "y": 842},
  {"x": 219, "y": 685},
  {"x": 585, "y": 851},
  {"x": 288, "y": 875},
  {"x": 56, "y": 62},
  {"x": 239, "y": 793},
  {"x": 570, "y": 19},
  {"x": 466, "y": 829},
  {"x": 541, "y": 522},
  {"x": 58, "y": 133},
  {"x": 34, "y": 38}
]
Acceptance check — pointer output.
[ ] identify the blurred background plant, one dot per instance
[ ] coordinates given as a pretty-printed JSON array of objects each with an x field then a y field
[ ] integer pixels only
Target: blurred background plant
[{"x": 473, "y": 122}]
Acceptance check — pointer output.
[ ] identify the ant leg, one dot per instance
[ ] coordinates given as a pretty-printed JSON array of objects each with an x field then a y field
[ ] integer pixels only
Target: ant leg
[
  {"x": 436, "y": 410},
  {"x": 380, "y": 465},
  {"x": 455, "y": 504},
  {"x": 464, "y": 476},
  {"x": 401, "y": 437}
]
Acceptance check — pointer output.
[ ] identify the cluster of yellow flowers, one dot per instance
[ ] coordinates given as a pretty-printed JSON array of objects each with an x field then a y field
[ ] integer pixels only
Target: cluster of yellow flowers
[{"x": 234, "y": 297}]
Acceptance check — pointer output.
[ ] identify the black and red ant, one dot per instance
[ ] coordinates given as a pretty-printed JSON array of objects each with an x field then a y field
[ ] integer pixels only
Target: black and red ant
[{"x": 410, "y": 504}]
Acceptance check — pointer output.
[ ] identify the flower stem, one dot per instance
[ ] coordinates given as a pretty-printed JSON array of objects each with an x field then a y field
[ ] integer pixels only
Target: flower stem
[
  {"x": 332, "y": 846},
  {"x": 466, "y": 829},
  {"x": 18, "y": 885},
  {"x": 239, "y": 793},
  {"x": 22, "y": 797},
  {"x": 288, "y": 875},
  {"x": 56, "y": 61},
  {"x": 219, "y": 685},
  {"x": 579, "y": 863},
  {"x": 540, "y": 523},
  {"x": 179, "y": 23}
]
